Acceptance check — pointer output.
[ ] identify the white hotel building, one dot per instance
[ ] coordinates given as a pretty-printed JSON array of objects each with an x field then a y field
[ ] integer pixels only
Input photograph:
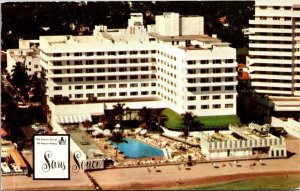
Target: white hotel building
[
  {"x": 274, "y": 42},
  {"x": 172, "y": 64}
]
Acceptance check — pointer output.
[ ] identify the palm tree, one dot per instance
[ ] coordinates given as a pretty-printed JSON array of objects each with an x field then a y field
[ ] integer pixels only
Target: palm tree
[
  {"x": 188, "y": 121},
  {"x": 146, "y": 116},
  {"x": 119, "y": 111},
  {"x": 87, "y": 124},
  {"x": 117, "y": 137},
  {"x": 19, "y": 76}
]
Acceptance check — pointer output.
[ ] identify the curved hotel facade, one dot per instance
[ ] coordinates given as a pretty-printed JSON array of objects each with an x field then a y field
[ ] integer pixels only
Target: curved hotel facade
[{"x": 175, "y": 65}]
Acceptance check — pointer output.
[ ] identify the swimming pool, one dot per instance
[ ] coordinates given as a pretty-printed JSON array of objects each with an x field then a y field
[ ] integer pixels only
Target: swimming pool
[{"x": 137, "y": 149}]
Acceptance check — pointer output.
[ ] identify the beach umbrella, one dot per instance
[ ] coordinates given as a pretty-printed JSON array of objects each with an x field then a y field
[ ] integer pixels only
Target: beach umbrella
[{"x": 106, "y": 132}]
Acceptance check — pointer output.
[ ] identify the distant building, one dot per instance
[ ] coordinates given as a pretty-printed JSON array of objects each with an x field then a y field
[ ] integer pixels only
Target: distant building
[
  {"x": 28, "y": 54},
  {"x": 251, "y": 141},
  {"x": 177, "y": 65}
]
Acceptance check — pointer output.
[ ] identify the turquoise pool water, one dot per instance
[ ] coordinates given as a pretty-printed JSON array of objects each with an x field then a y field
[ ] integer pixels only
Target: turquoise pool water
[{"x": 137, "y": 149}]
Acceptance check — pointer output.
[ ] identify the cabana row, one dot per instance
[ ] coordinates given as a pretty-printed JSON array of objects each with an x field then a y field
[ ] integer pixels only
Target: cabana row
[{"x": 73, "y": 118}]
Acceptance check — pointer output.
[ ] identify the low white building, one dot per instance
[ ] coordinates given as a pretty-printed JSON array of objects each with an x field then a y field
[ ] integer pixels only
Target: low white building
[{"x": 242, "y": 142}]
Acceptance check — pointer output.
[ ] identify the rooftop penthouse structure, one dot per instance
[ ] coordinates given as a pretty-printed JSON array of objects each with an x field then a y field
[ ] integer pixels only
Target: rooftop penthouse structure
[
  {"x": 251, "y": 141},
  {"x": 188, "y": 71}
]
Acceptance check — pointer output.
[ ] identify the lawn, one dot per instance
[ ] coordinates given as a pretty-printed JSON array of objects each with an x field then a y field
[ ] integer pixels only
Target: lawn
[{"x": 174, "y": 120}]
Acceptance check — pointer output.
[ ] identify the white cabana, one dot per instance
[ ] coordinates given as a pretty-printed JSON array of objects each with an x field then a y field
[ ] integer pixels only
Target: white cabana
[
  {"x": 171, "y": 133},
  {"x": 137, "y": 130},
  {"x": 63, "y": 119},
  {"x": 106, "y": 132},
  {"x": 97, "y": 131},
  {"x": 143, "y": 131}
]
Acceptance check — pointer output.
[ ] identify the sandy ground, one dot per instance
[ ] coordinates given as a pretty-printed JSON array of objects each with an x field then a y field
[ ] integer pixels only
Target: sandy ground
[{"x": 140, "y": 178}]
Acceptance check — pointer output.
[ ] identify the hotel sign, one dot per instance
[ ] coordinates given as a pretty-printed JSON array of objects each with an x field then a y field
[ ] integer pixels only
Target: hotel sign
[{"x": 51, "y": 157}]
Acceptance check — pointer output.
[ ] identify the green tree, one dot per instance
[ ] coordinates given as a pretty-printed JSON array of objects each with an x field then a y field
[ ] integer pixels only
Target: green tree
[
  {"x": 19, "y": 76},
  {"x": 117, "y": 137},
  {"x": 189, "y": 121},
  {"x": 146, "y": 116},
  {"x": 119, "y": 111},
  {"x": 87, "y": 124}
]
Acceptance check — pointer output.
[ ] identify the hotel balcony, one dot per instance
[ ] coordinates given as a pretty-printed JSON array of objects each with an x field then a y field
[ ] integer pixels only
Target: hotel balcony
[
  {"x": 267, "y": 45},
  {"x": 269, "y": 22},
  {"x": 269, "y": 69},
  {"x": 207, "y": 66},
  {"x": 270, "y": 84},
  {"x": 210, "y": 75},
  {"x": 210, "y": 84},
  {"x": 100, "y": 57},
  {"x": 99, "y": 74},
  {"x": 269, "y": 53},
  {"x": 273, "y": 92},
  {"x": 271, "y": 30},
  {"x": 270, "y": 61},
  {"x": 271, "y": 38},
  {"x": 266, "y": 76}
]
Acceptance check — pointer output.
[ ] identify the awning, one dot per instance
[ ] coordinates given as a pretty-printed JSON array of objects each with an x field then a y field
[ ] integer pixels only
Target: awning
[{"x": 73, "y": 118}]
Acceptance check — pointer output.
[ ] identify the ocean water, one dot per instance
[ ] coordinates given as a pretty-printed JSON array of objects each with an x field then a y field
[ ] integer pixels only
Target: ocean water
[{"x": 281, "y": 182}]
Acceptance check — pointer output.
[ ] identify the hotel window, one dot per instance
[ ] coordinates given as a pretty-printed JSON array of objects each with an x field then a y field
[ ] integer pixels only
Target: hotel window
[
  {"x": 111, "y": 61},
  {"x": 112, "y": 53},
  {"x": 100, "y": 94},
  {"x": 89, "y": 70},
  {"x": 217, "y": 80},
  {"x": 78, "y": 63},
  {"x": 216, "y": 61},
  {"x": 78, "y": 87},
  {"x": 122, "y": 69},
  {"x": 100, "y": 70},
  {"x": 204, "y": 97},
  {"x": 123, "y": 93},
  {"x": 228, "y": 105},
  {"x": 112, "y": 77},
  {"x": 144, "y": 76},
  {"x": 153, "y": 51},
  {"x": 122, "y": 52},
  {"x": 217, "y": 106},
  {"x": 133, "y": 52},
  {"x": 191, "y": 89},
  {"x": 190, "y": 98},
  {"x": 57, "y": 80},
  {"x": 204, "y": 61},
  {"x": 89, "y": 87},
  {"x": 216, "y": 88},
  {"x": 134, "y": 77},
  {"x": 122, "y": 85},
  {"x": 204, "y": 71},
  {"x": 57, "y": 55},
  {"x": 144, "y": 93},
  {"x": 133, "y": 60},
  {"x": 89, "y": 78},
  {"x": 133, "y": 69},
  {"x": 204, "y": 80},
  {"x": 78, "y": 79},
  {"x": 144, "y": 51},
  {"x": 78, "y": 71},
  {"x": 100, "y": 53},
  {"x": 153, "y": 92},
  {"x": 190, "y": 62},
  {"x": 89, "y": 95},
  {"x": 133, "y": 93},
  {"x": 78, "y": 95},
  {"x": 217, "y": 70},
  {"x": 204, "y": 89},
  {"x": 144, "y": 68},
  {"x": 134, "y": 85},
  {"x": 101, "y": 78},
  {"x": 57, "y": 71},
  {"x": 100, "y": 86},
  {"x": 77, "y": 54},
  {"x": 122, "y": 77},
  {"x": 57, "y": 63},
  {"x": 70, "y": 87},
  {"x": 89, "y": 62},
  {"x": 122, "y": 61},
  {"x": 191, "y": 71},
  {"x": 153, "y": 76},
  {"x": 144, "y": 60},
  {"x": 193, "y": 80},
  {"x": 90, "y": 54},
  {"x": 112, "y": 94},
  {"x": 144, "y": 84},
  {"x": 229, "y": 61},
  {"x": 57, "y": 88},
  {"x": 229, "y": 79},
  {"x": 228, "y": 96},
  {"x": 229, "y": 87},
  {"x": 191, "y": 107},
  {"x": 204, "y": 106},
  {"x": 100, "y": 61},
  {"x": 228, "y": 70},
  {"x": 112, "y": 85},
  {"x": 112, "y": 69},
  {"x": 153, "y": 84},
  {"x": 216, "y": 97}
]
